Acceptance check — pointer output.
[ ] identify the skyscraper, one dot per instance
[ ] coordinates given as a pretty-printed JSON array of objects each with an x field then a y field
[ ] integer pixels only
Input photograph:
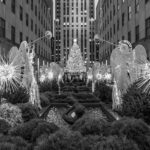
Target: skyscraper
[
  {"x": 74, "y": 19},
  {"x": 26, "y": 20}
]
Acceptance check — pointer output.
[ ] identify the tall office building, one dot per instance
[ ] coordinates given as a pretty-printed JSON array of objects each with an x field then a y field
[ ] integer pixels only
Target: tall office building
[
  {"x": 26, "y": 20},
  {"x": 123, "y": 19},
  {"x": 74, "y": 19}
]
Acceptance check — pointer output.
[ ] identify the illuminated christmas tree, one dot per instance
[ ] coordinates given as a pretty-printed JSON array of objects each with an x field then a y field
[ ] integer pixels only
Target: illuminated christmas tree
[{"x": 75, "y": 63}]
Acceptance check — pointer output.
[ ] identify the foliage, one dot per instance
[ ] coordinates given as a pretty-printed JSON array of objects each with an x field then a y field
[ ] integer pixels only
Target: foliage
[
  {"x": 61, "y": 140},
  {"x": 103, "y": 92},
  {"x": 11, "y": 113},
  {"x": 44, "y": 100},
  {"x": 43, "y": 128},
  {"x": 4, "y": 126},
  {"x": 90, "y": 126},
  {"x": 116, "y": 143},
  {"x": 25, "y": 130},
  {"x": 132, "y": 129},
  {"x": 90, "y": 141},
  {"x": 20, "y": 95},
  {"x": 29, "y": 112},
  {"x": 48, "y": 86},
  {"x": 13, "y": 143},
  {"x": 136, "y": 104},
  {"x": 33, "y": 129}
]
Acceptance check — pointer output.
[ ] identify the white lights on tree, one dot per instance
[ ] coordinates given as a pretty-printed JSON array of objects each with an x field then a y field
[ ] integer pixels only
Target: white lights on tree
[{"x": 75, "y": 63}]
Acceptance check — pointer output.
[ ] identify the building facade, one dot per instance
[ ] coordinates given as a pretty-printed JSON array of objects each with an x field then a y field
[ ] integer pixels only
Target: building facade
[
  {"x": 74, "y": 19},
  {"x": 123, "y": 20},
  {"x": 26, "y": 20}
]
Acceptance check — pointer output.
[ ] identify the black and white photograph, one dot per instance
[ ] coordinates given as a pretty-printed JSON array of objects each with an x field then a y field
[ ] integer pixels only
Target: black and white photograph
[{"x": 74, "y": 74}]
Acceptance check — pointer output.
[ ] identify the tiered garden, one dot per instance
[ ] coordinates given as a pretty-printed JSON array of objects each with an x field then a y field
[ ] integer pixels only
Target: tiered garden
[
  {"x": 73, "y": 120},
  {"x": 71, "y": 110}
]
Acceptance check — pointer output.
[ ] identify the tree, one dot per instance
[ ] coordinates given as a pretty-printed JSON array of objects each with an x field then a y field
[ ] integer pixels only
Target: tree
[{"x": 75, "y": 63}]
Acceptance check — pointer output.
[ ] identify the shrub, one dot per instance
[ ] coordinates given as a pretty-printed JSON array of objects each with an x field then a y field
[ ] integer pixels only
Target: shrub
[
  {"x": 89, "y": 126},
  {"x": 48, "y": 86},
  {"x": 103, "y": 92},
  {"x": 16, "y": 143},
  {"x": 29, "y": 112},
  {"x": 42, "y": 129},
  {"x": 90, "y": 141},
  {"x": 31, "y": 130},
  {"x": 20, "y": 95},
  {"x": 136, "y": 104},
  {"x": 132, "y": 129},
  {"x": 4, "y": 126},
  {"x": 61, "y": 140},
  {"x": 11, "y": 113},
  {"x": 7, "y": 146},
  {"x": 25, "y": 130},
  {"x": 116, "y": 143},
  {"x": 44, "y": 100}
]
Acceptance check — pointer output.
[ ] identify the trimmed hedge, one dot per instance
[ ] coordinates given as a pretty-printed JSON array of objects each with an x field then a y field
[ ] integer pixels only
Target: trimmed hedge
[
  {"x": 103, "y": 92},
  {"x": 61, "y": 140},
  {"x": 89, "y": 126},
  {"x": 13, "y": 143},
  {"x": 20, "y": 95},
  {"x": 132, "y": 129},
  {"x": 116, "y": 143},
  {"x": 4, "y": 126},
  {"x": 136, "y": 104},
  {"x": 33, "y": 128},
  {"x": 29, "y": 112}
]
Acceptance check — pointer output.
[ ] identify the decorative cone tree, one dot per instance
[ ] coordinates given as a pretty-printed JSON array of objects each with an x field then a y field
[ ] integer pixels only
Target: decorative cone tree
[{"x": 75, "y": 63}]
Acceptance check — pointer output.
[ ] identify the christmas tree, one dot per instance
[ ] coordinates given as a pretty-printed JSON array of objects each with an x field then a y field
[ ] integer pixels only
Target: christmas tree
[{"x": 75, "y": 63}]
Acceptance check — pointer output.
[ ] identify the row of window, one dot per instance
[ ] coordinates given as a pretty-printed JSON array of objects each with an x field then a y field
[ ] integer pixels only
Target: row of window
[
  {"x": 108, "y": 36},
  {"x": 13, "y": 33}
]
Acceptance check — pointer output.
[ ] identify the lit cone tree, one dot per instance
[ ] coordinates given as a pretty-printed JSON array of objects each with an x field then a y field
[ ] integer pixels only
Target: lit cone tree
[{"x": 75, "y": 63}]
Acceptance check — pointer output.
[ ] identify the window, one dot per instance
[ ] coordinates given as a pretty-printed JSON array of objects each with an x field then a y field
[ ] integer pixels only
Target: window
[
  {"x": 27, "y": 1},
  {"x": 27, "y": 19},
  {"x": 129, "y": 36},
  {"x": 136, "y": 6},
  {"x": 13, "y": 6},
  {"x": 123, "y": 15},
  {"x": 114, "y": 11},
  {"x": 31, "y": 25},
  {"x": 21, "y": 37},
  {"x": 137, "y": 33},
  {"x": 147, "y": 24},
  {"x": 35, "y": 10},
  {"x": 21, "y": 13},
  {"x": 36, "y": 29},
  {"x": 31, "y": 4},
  {"x": 118, "y": 24},
  {"x": 13, "y": 34},
  {"x": 129, "y": 12},
  {"x": 2, "y": 27},
  {"x": 114, "y": 29}
]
